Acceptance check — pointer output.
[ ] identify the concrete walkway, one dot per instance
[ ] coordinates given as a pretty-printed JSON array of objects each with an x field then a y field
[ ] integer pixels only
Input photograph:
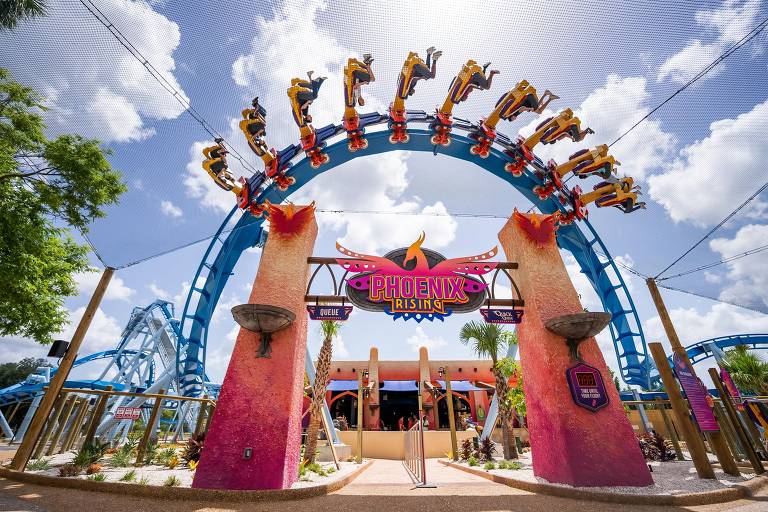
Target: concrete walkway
[{"x": 385, "y": 486}]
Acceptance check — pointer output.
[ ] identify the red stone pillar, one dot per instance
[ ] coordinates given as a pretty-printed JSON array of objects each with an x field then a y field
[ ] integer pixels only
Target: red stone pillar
[
  {"x": 569, "y": 444},
  {"x": 259, "y": 406}
]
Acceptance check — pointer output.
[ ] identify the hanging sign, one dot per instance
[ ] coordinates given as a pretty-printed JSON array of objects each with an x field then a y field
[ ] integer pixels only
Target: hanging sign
[
  {"x": 415, "y": 282},
  {"x": 329, "y": 312},
  {"x": 587, "y": 387},
  {"x": 697, "y": 395},
  {"x": 127, "y": 413},
  {"x": 502, "y": 316}
]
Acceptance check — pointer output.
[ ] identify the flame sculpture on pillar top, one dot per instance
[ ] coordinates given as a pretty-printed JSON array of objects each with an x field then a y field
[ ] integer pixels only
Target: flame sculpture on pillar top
[{"x": 289, "y": 219}]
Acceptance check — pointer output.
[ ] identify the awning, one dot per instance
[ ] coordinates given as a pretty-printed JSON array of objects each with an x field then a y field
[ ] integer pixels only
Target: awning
[
  {"x": 342, "y": 385},
  {"x": 399, "y": 385},
  {"x": 461, "y": 385}
]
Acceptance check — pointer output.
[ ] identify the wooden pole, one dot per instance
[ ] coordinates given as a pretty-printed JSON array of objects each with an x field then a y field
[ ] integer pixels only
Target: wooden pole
[
  {"x": 142, "y": 448},
  {"x": 200, "y": 416},
  {"x": 728, "y": 432},
  {"x": 74, "y": 429},
  {"x": 98, "y": 412},
  {"x": 50, "y": 425},
  {"x": 671, "y": 429},
  {"x": 451, "y": 418},
  {"x": 716, "y": 438},
  {"x": 359, "y": 416},
  {"x": 680, "y": 408},
  {"x": 211, "y": 410},
  {"x": 13, "y": 412},
  {"x": 32, "y": 435},
  {"x": 63, "y": 420},
  {"x": 740, "y": 433}
]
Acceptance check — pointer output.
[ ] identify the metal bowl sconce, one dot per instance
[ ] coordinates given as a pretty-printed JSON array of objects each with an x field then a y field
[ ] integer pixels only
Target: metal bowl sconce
[
  {"x": 577, "y": 327},
  {"x": 265, "y": 320}
]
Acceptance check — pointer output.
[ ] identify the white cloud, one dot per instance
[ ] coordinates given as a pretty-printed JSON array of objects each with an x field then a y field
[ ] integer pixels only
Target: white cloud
[
  {"x": 728, "y": 23},
  {"x": 116, "y": 290},
  {"x": 421, "y": 339},
  {"x": 611, "y": 110},
  {"x": 170, "y": 209},
  {"x": 158, "y": 292},
  {"x": 200, "y": 186},
  {"x": 748, "y": 277},
  {"x": 105, "y": 94},
  {"x": 103, "y": 334},
  {"x": 714, "y": 175}
]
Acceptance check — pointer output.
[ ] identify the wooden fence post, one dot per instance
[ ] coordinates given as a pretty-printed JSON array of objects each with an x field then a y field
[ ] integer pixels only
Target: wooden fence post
[
  {"x": 98, "y": 412},
  {"x": 141, "y": 450},
  {"x": 21, "y": 458},
  {"x": 671, "y": 429},
  {"x": 50, "y": 425},
  {"x": 63, "y": 420}
]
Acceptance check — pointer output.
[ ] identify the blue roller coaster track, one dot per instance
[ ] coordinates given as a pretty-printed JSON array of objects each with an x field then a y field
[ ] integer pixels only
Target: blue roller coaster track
[{"x": 583, "y": 242}]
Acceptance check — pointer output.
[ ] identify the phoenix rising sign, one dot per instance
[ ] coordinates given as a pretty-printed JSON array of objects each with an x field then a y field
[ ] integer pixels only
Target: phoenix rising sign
[{"x": 416, "y": 283}]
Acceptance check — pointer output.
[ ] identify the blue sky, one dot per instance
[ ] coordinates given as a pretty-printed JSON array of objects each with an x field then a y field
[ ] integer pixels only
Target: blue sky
[{"x": 696, "y": 158}]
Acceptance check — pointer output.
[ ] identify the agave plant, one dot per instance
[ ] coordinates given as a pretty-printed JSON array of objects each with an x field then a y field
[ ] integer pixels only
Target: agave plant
[{"x": 193, "y": 449}]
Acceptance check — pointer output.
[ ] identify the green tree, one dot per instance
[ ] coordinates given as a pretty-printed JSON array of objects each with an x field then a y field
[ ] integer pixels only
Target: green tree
[
  {"x": 748, "y": 370},
  {"x": 13, "y": 11},
  {"x": 515, "y": 395},
  {"x": 330, "y": 329},
  {"x": 490, "y": 340},
  {"x": 47, "y": 186},
  {"x": 13, "y": 373}
]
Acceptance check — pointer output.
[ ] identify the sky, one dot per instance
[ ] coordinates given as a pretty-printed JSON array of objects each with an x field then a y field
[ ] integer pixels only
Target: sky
[{"x": 696, "y": 158}]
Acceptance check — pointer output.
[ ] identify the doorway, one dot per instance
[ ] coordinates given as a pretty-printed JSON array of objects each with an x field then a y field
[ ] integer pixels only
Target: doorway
[{"x": 396, "y": 405}]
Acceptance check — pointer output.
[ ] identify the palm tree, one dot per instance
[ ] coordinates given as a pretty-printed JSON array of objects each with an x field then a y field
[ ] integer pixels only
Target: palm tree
[
  {"x": 13, "y": 11},
  {"x": 747, "y": 369},
  {"x": 489, "y": 340},
  {"x": 329, "y": 329}
]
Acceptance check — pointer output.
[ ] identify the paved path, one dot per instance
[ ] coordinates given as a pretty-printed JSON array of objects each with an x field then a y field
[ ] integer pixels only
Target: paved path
[{"x": 385, "y": 486}]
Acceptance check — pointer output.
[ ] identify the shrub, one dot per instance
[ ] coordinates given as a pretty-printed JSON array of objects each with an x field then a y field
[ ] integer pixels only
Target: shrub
[
  {"x": 330, "y": 470},
  {"x": 121, "y": 459},
  {"x": 39, "y": 465},
  {"x": 172, "y": 481},
  {"x": 165, "y": 455},
  {"x": 89, "y": 454},
  {"x": 655, "y": 447},
  {"x": 144, "y": 481},
  {"x": 472, "y": 461},
  {"x": 466, "y": 449},
  {"x": 130, "y": 476},
  {"x": 316, "y": 468},
  {"x": 151, "y": 453},
  {"x": 193, "y": 449},
  {"x": 97, "y": 477},
  {"x": 70, "y": 470},
  {"x": 93, "y": 468},
  {"x": 489, "y": 465},
  {"x": 172, "y": 462},
  {"x": 510, "y": 464},
  {"x": 192, "y": 465},
  {"x": 486, "y": 450}
]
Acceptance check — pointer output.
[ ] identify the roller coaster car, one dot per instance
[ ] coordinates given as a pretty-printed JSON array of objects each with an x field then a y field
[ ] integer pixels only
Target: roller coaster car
[
  {"x": 590, "y": 162},
  {"x": 301, "y": 94},
  {"x": 414, "y": 69},
  {"x": 550, "y": 183},
  {"x": 564, "y": 125},
  {"x": 254, "y": 126},
  {"x": 356, "y": 74},
  {"x": 257, "y": 210},
  {"x": 283, "y": 181},
  {"x": 215, "y": 164},
  {"x": 472, "y": 76},
  {"x": 621, "y": 194}
]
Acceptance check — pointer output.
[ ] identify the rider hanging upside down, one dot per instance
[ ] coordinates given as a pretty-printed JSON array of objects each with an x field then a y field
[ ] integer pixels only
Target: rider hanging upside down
[
  {"x": 522, "y": 98},
  {"x": 619, "y": 193},
  {"x": 414, "y": 69},
  {"x": 589, "y": 162},
  {"x": 301, "y": 94},
  {"x": 215, "y": 164},
  {"x": 472, "y": 76},
  {"x": 356, "y": 74},
  {"x": 564, "y": 125}
]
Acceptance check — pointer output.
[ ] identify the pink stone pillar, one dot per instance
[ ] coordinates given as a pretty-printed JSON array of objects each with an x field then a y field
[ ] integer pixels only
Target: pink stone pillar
[
  {"x": 260, "y": 403},
  {"x": 569, "y": 444}
]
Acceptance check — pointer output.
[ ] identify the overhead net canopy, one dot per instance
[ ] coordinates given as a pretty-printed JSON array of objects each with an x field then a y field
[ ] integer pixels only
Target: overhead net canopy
[{"x": 157, "y": 81}]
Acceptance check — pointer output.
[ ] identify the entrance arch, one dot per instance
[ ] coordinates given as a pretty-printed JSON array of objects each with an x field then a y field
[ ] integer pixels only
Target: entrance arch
[{"x": 583, "y": 243}]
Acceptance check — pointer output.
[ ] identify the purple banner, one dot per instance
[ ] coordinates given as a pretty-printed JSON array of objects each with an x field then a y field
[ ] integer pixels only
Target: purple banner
[
  {"x": 502, "y": 316},
  {"x": 587, "y": 387},
  {"x": 339, "y": 313},
  {"x": 697, "y": 396},
  {"x": 731, "y": 387}
]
